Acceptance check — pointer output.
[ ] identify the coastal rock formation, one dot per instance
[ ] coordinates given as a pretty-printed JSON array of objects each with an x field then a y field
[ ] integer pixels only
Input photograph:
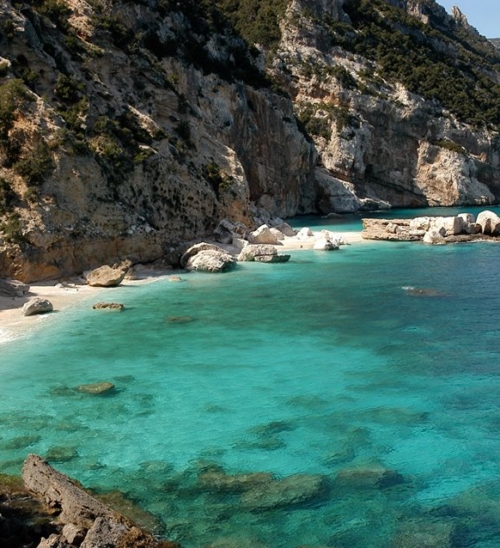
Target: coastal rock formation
[
  {"x": 106, "y": 276},
  {"x": 262, "y": 491},
  {"x": 489, "y": 222},
  {"x": 188, "y": 125},
  {"x": 36, "y": 305},
  {"x": 433, "y": 230},
  {"x": 83, "y": 520},
  {"x": 385, "y": 136}
]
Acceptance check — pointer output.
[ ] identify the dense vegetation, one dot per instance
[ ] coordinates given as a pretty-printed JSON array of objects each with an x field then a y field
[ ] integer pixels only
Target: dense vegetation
[
  {"x": 442, "y": 62},
  {"x": 256, "y": 20}
]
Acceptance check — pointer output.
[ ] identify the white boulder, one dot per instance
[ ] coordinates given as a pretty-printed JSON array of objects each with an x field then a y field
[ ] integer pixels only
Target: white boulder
[
  {"x": 489, "y": 222},
  {"x": 262, "y": 235},
  {"x": 37, "y": 306}
]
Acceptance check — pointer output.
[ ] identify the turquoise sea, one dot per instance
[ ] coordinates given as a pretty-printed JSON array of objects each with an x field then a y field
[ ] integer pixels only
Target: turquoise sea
[{"x": 366, "y": 381}]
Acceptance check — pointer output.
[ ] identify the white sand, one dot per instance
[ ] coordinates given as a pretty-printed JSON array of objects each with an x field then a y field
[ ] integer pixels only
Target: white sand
[{"x": 13, "y": 323}]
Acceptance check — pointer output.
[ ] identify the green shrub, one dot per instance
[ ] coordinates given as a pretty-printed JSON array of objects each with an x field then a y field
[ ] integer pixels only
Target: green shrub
[
  {"x": 7, "y": 196},
  {"x": 12, "y": 95},
  {"x": 449, "y": 145},
  {"x": 36, "y": 165},
  {"x": 217, "y": 180},
  {"x": 12, "y": 229}
]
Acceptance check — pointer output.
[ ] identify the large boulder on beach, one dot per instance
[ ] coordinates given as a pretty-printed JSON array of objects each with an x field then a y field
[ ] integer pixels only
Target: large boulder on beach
[
  {"x": 286, "y": 229},
  {"x": 211, "y": 260},
  {"x": 105, "y": 276},
  {"x": 304, "y": 233},
  {"x": 37, "y": 306},
  {"x": 324, "y": 244},
  {"x": 13, "y": 288},
  {"x": 489, "y": 222},
  {"x": 262, "y": 235}
]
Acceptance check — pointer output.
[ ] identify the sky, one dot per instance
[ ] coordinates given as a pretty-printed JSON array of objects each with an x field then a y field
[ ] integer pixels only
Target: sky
[{"x": 482, "y": 14}]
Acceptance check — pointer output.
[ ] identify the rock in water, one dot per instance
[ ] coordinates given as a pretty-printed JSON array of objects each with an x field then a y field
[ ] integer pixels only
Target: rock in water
[
  {"x": 108, "y": 306},
  {"x": 96, "y": 388},
  {"x": 37, "y": 306},
  {"x": 489, "y": 222},
  {"x": 105, "y": 276},
  {"x": 82, "y": 520},
  {"x": 290, "y": 491},
  {"x": 251, "y": 251},
  {"x": 211, "y": 261}
]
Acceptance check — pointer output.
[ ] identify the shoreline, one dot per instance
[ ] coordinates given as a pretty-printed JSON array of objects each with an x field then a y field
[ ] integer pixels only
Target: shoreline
[{"x": 13, "y": 324}]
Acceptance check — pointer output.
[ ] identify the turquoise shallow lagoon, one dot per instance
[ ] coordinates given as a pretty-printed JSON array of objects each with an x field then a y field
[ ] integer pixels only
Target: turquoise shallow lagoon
[{"x": 378, "y": 357}]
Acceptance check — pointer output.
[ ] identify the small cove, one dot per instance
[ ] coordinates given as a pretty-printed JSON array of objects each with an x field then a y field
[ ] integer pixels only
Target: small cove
[{"x": 314, "y": 367}]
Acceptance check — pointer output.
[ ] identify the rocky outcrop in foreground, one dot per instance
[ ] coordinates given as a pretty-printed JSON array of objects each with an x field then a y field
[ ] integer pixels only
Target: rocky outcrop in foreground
[
  {"x": 435, "y": 230},
  {"x": 81, "y": 520}
]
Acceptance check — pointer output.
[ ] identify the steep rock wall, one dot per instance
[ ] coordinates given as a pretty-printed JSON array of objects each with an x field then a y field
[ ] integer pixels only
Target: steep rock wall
[
  {"x": 144, "y": 146},
  {"x": 380, "y": 145}
]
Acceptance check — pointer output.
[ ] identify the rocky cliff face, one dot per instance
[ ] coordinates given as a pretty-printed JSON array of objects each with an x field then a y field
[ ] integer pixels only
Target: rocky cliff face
[
  {"x": 379, "y": 143},
  {"x": 128, "y": 127}
]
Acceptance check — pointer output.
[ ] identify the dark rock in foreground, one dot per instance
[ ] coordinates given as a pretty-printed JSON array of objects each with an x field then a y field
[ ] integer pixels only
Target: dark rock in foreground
[{"x": 81, "y": 520}]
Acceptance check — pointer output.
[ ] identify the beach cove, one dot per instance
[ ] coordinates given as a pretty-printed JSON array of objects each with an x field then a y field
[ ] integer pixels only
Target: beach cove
[{"x": 378, "y": 401}]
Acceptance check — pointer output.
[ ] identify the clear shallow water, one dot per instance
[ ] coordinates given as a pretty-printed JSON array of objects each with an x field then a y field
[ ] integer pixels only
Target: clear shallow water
[{"x": 325, "y": 366}]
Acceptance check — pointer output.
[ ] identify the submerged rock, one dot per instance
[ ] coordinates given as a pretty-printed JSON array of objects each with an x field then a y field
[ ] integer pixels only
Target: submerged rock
[
  {"x": 37, "y": 306},
  {"x": 109, "y": 306},
  {"x": 61, "y": 453},
  {"x": 179, "y": 319},
  {"x": 217, "y": 480},
  {"x": 423, "y": 533},
  {"x": 96, "y": 388},
  {"x": 367, "y": 478},
  {"x": 290, "y": 491}
]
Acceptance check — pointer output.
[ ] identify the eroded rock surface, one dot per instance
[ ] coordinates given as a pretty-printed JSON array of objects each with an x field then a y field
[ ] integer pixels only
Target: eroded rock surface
[{"x": 83, "y": 521}]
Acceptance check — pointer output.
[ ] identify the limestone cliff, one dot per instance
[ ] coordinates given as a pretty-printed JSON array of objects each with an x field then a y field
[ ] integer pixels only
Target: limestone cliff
[
  {"x": 126, "y": 128},
  {"x": 129, "y": 127},
  {"x": 389, "y": 90}
]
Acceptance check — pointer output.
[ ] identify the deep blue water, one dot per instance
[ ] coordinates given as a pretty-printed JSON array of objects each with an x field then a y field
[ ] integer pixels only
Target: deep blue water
[{"x": 376, "y": 367}]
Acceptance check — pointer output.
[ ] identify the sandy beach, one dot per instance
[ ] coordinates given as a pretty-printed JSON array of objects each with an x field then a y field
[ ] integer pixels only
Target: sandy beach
[{"x": 13, "y": 323}]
